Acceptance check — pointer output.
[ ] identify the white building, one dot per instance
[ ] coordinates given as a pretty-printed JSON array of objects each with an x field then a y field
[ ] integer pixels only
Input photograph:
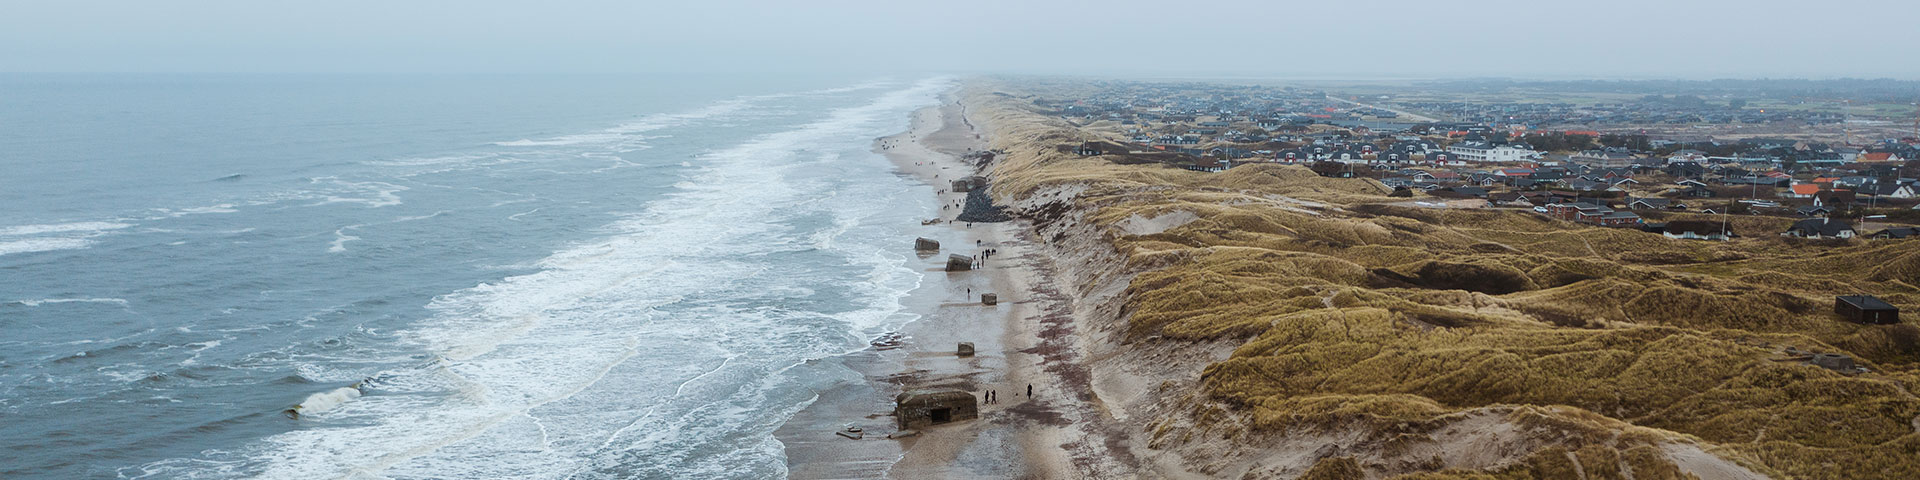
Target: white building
[
  {"x": 1486, "y": 152},
  {"x": 1687, "y": 156}
]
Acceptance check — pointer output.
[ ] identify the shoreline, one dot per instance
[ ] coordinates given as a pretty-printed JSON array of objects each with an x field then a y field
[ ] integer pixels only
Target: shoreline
[{"x": 1003, "y": 442}]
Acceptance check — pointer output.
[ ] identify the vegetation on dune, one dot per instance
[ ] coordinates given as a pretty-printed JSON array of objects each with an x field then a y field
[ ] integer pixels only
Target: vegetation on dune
[
  {"x": 1336, "y": 468},
  {"x": 1349, "y": 307}
]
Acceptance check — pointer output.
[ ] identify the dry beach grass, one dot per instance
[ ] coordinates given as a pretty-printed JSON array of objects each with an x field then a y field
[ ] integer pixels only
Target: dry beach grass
[{"x": 1328, "y": 332}]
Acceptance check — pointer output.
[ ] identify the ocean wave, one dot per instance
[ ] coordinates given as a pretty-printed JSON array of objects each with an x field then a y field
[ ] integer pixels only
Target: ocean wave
[
  {"x": 658, "y": 348},
  {"x": 868, "y": 85},
  {"x": 75, "y": 227},
  {"x": 626, "y": 136},
  {"x": 340, "y": 239},
  {"x": 324, "y": 401},
  {"x": 10, "y": 247},
  {"x": 431, "y": 161},
  {"x": 564, "y": 140},
  {"x": 166, "y": 213},
  {"x": 669, "y": 120},
  {"x": 373, "y": 194},
  {"x": 54, "y": 236},
  {"x": 45, "y": 301}
]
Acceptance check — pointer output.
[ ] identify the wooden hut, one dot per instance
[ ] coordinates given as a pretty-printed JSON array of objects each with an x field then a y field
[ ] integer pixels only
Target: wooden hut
[
  {"x": 923, "y": 408},
  {"x": 1866, "y": 309}
]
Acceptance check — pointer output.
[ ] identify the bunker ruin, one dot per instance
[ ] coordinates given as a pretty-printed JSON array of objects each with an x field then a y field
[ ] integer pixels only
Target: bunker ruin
[
  {"x": 924, "y": 408},
  {"x": 959, "y": 263},
  {"x": 1834, "y": 361}
]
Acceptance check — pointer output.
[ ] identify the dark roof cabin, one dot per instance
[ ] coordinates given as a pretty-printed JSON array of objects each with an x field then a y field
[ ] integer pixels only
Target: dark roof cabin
[
  {"x": 1089, "y": 149},
  {"x": 1697, "y": 230},
  {"x": 1897, "y": 232},
  {"x": 1866, "y": 309},
  {"x": 1820, "y": 227},
  {"x": 924, "y": 408}
]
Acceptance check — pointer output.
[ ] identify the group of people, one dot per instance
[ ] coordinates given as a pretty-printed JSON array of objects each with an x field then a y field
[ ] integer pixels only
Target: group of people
[
  {"x": 994, "y": 397},
  {"x": 980, "y": 261}
]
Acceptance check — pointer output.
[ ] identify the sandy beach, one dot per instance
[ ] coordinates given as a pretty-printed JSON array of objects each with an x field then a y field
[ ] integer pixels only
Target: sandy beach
[{"x": 1015, "y": 437}]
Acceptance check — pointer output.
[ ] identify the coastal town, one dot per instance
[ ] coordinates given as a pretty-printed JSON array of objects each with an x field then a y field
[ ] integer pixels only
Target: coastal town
[
  {"x": 1341, "y": 282},
  {"x": 1641, "y": 163},
  {"x": 1030, "y": 240}
]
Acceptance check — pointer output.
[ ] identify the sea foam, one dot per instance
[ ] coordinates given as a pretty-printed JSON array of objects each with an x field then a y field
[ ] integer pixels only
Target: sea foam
[
  {"x": 52, "y": 237},
  {"x": 658, "y": 349},
  {"x": 328, "y": 400}
]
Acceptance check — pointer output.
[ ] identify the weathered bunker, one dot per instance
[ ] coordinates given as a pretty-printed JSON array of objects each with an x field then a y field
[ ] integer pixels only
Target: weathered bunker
[
  {"x": 965, "y": 350},
  {"x": 959, "y": 263},
  {"x": 969, "y": 184},
  {"x": 989, "y": 299},
  {"x": 924, "y": 408},
  {"x": 925, "y": 244},
  {"x": 1834, "y": 361}
]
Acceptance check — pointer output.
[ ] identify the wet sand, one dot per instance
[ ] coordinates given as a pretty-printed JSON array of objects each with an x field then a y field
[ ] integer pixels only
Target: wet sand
[{"x": 1014, "y": 437}]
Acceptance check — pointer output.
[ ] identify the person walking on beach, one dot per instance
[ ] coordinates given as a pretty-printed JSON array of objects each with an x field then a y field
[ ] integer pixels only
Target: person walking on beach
[{"x": 1029, "y": 390}]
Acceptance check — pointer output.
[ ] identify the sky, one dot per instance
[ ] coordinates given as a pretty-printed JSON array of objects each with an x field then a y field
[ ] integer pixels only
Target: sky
[{"x": 1343, "y": 39}]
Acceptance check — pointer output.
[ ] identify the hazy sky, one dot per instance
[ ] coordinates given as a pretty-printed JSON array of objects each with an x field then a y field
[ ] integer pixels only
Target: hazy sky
[{"x": 1319, "y": 39}]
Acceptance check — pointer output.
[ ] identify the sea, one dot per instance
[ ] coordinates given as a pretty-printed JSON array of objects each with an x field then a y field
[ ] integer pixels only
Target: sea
[{"x": 439, "y": 276}]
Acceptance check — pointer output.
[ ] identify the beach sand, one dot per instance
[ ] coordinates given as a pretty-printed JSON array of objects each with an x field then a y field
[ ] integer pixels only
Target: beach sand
[{"x": 1016, "y": 437}]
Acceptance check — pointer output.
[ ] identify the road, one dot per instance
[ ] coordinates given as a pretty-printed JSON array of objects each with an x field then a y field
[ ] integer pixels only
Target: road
[{"x": 1404, "y": 115}]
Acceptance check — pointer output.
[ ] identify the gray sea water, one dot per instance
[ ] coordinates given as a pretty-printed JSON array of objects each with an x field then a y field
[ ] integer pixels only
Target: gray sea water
[{"x": 525, "y": 277}]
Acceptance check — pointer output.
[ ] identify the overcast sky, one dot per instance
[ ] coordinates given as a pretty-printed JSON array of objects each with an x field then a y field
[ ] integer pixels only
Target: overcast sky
[{"x": 1286, "y": 39}]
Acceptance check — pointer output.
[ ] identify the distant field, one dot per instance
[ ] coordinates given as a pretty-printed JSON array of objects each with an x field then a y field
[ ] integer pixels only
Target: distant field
[{"x": 1879, "y": 111}]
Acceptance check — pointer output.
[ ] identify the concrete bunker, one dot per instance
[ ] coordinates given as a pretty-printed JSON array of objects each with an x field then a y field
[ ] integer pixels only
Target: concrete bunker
[
  {"x": 959, "y": 263},
  {"x": 924, "y": 408},
  {"x": 989, "y": 299},
  {"x": 965, "y": 349},
  {"x": 1834, "y": 361},
  {"x": 968, "y": 184},
  {"x": 925, "y": 244}
]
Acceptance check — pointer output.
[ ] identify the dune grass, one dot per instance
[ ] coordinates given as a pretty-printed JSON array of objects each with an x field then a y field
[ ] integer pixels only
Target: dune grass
[{"x": 1348, "y": 306}]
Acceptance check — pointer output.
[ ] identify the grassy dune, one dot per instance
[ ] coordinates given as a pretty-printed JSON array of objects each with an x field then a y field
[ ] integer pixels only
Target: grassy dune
[{"x": 1351, "y": 310}]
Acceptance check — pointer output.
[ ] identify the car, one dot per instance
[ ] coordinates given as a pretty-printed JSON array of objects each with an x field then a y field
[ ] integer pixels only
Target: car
[{"x": 1540, "y": 209}]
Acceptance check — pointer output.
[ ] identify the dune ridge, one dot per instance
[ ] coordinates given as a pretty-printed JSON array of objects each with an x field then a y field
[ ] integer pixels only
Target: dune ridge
[{"x": 1287, "y": 325}]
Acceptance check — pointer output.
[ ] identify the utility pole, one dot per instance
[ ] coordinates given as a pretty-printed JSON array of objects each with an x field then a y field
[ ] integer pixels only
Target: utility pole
[
  {"x": 1723, "y": 217},
  {"x": 1846, "y": 123},
  {"x": 1916, "y": 121}
]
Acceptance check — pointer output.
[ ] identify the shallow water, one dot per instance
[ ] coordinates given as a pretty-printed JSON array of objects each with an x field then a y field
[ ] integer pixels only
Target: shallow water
[{"x": 525, "y": 277}]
